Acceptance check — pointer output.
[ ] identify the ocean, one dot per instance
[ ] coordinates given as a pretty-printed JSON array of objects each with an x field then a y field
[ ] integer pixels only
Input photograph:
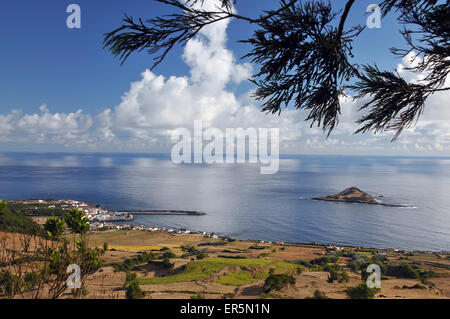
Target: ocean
[{"x": 242, "y": 203}]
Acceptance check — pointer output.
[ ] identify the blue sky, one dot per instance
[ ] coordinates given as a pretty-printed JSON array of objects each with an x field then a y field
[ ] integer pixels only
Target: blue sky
[{"x": 44, "y": 62}]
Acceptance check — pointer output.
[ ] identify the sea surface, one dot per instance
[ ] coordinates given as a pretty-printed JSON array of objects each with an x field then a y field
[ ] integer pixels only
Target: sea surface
[{"x": 242, "y": 203}]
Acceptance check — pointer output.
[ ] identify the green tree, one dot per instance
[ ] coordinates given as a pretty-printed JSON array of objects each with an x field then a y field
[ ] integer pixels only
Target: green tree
[
  {"x": 9, "y": 284},
  {"x": 2, "y": 205},
  {"x": 77, "y": 221},
  {"x": 54, "y": 227},
  {"x": 201, "y": 255},
  {"x": 278, "y": 282},
  {"x": 166, "y": 263},
  {"x": 403, "y": 270},
  {"x": 168, "y": 254},
  {"x": 333, "y": 275},
  {"x": 362, "y": 291},
  {"x": 134, "y": 291},
  {"x": 130, "y": 276},
  {"x": 305, "y": 52}
]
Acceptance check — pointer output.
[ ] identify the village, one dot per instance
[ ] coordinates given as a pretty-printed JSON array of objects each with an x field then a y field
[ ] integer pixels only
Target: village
[
  {"x": 99, "y": 218},
  {"x": 41, "y": 208}
]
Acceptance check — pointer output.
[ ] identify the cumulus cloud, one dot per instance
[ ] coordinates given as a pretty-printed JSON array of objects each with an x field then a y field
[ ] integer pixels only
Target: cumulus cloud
[
  {"x": 156, "y": 105},
  {"x": 46, "y": 126},
  {"x": 432, "y": 131}
]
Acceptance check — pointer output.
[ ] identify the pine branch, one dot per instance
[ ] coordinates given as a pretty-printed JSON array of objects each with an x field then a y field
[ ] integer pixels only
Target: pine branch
[{"x": 304, "y": 52}]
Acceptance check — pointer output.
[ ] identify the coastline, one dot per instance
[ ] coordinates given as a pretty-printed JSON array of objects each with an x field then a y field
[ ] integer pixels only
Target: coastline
[
  {"x": 220, "y": 235},
  {"x": 101, "y": 217}
]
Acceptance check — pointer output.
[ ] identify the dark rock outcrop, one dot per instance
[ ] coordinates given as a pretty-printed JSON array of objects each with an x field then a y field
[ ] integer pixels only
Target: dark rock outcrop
[{"x": 353, "y": 195}]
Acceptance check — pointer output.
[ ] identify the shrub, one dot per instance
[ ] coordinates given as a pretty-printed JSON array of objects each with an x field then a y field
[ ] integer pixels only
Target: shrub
[
  {"x": 130, "y": 263},
  {"x": 190, "y": 251},
  {"x": 130, "y": 276},
  {"x": 84, "y": 291},
  {"x": 202, "y": 255},
  {"x": 168, "y": 254},
  {"x": 278, "y": 282},
  {"x": 318, "y": 295},
  {"x": 232, "y": 257},
  {"x": 77, "y": 293},
  {"x": 320, "y": 261},
  {"x": 134, "y": 291},
  {"x": 333, "y": 275},
  {"x": 362, "y": 291},
  {"x": 359, "y": 263},
  {"x": 166, "y": 263},
  {"x": 219, "y": 243},
  {"x": 31, "y": 280},
  {"x": 54, "y": 227},
  {"x": 403, "y": 270},
  {"x": 198, "y": 295},
  {"x": 9, "y": 284},
  {"x": 344, "y": 277},
  {"x": 257, "y": 247},
  {"x": 425, "y": 275}
]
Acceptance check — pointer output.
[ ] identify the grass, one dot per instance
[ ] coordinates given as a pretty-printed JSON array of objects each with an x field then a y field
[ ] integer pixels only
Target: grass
[
  {"x": 364, "y": 253},
  {"x": 142, "y": 240},
  {"x": 243, "y": 277},
  {"x": 203, "y": 269}
]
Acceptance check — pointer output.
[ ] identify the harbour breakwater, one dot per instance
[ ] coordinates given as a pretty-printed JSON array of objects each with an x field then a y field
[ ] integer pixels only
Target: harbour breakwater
[{"x": 161, "y": 212}]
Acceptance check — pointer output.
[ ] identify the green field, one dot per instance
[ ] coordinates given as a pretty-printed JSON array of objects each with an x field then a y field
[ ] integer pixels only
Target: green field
[
  {"x": 204, "y": 269},
  {"x": 242, "y": 277}
]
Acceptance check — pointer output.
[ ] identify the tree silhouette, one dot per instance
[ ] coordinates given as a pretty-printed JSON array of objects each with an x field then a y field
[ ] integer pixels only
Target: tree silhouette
[{"x": 304, "y": 50}]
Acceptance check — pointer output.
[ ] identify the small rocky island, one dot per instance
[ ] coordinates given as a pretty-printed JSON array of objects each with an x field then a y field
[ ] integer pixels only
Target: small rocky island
[{"x": 353, "y": 195}]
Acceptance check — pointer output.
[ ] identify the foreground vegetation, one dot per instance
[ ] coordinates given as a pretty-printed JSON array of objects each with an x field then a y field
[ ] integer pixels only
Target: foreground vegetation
[
  {"x": 15, "y": 221},
  {"x": 35, "y": 264},
  {"x": 140, "y": 264}
]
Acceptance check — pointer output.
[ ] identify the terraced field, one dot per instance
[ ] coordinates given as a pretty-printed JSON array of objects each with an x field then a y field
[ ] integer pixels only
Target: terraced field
[{"x": 241, "y": 271}]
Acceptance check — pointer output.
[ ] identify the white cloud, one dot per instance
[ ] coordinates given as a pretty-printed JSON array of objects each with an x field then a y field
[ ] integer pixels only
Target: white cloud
[
  {"x": 57, "y": 123},
  {"x": 46, "y": 127},
  {"x": 433, "y": 128},
  {"x": 155, "y": 105}
]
